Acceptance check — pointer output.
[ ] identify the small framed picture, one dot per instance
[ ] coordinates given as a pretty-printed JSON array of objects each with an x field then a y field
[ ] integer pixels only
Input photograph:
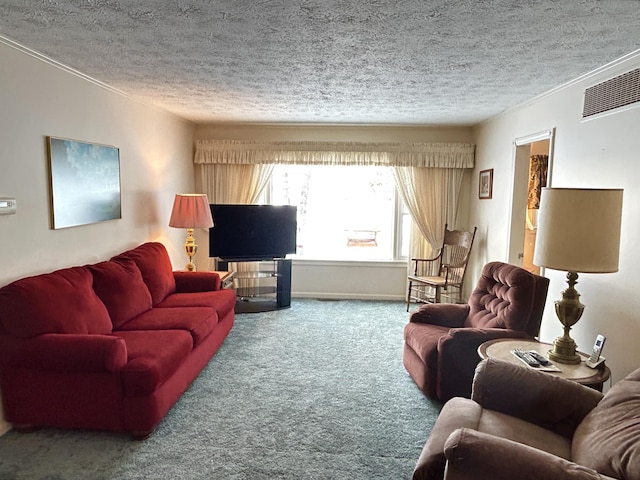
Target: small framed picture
[{"x": 485, "y": 187}]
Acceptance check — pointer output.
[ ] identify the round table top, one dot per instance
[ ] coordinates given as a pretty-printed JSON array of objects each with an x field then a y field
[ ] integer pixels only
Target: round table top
[{"x": 501, "y": 349}]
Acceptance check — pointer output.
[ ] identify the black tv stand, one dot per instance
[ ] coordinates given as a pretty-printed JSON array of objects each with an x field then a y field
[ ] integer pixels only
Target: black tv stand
[{"x": 262, "y": 290}]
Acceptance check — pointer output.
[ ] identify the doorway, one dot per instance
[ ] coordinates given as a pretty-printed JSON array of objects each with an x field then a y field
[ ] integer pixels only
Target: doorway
[{"x": 532, "y": 163}]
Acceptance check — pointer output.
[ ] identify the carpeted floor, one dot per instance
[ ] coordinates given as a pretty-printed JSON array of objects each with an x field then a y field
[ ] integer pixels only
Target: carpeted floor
[{"x": 317, "y": 391}]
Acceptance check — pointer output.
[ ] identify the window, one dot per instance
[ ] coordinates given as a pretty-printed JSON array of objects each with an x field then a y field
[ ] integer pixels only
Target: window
[{"x": 344, "y": 212}]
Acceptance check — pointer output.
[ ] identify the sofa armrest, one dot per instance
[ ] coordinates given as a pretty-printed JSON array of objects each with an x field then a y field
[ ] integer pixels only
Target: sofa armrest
[
  {"x": 442, "y": 314},
  {"x": 552, "y": 402},
  {"x": 188, "y": 282},
  {"x": 477, "y": 455},
  {"x": 57, "y": 352}
]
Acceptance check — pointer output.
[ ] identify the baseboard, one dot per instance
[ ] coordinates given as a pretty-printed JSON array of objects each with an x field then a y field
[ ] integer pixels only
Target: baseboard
[{"x": 346, "y": 296}]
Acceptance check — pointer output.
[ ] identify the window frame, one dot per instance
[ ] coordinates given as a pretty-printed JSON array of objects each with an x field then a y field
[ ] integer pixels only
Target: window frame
[{"x": 400, "y": 212}]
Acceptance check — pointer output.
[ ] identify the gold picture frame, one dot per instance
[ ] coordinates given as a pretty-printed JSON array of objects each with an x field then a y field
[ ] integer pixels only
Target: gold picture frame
[{"x": 485, "y": 184}]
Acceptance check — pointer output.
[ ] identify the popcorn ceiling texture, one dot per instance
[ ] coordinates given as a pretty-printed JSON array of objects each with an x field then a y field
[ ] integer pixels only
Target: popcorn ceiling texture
[{"x": 336, "y": 61}]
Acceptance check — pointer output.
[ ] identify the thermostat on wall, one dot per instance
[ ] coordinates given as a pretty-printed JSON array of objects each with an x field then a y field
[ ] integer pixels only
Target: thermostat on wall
[{"x": 7, "y": 205}]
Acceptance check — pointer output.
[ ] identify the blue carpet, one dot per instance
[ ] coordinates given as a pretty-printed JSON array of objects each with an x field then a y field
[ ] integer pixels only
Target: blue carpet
[{"x": 317, "y": 391}]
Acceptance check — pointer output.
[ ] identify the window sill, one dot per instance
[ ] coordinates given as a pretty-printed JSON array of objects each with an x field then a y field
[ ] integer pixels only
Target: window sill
[{"x": 350, "y": 263}]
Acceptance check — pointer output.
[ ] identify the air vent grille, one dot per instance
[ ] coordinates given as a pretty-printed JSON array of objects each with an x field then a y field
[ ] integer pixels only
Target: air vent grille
[{"x": 614, "y": 93}]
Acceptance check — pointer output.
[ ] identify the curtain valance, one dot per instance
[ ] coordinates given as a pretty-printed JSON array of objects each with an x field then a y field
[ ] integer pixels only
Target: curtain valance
[{"x": 435, "y": 155}]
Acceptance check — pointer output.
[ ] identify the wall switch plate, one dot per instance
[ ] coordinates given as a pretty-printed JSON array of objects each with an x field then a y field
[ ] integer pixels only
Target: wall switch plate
[{"x": 8, "y": 205}]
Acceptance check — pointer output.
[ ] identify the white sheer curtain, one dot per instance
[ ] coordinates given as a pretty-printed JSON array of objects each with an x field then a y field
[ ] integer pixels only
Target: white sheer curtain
[
  {"x": 234, "y": 184},
  {"x": 428, "y": 175},
  {"x": 432, "y": 196}
]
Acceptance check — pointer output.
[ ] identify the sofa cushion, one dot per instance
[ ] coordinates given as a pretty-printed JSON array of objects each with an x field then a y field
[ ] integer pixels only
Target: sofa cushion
[
  {"x": 153, "y": 261},
  {"x": 223, "y": 301},
  {"x": 121, "y": 288},
  {"x": 512, "y": 428},
  {"x": 198, "y": 321},
  {"x": 464, "y": 413},
  {"x": 616, "y": 421},
  {"x": 59, "y": 302},
  {"x": 152, "y": 357}
]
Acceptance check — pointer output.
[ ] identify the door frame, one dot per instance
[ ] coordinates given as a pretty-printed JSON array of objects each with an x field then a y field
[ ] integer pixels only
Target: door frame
[{"x": 519, "y": 181}]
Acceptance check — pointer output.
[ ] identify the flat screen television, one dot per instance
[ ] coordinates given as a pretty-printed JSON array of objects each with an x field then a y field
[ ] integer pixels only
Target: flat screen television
[{"x": 252, "y": 232}]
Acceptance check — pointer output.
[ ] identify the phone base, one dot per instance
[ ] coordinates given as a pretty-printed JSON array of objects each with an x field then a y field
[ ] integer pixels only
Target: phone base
[{"x": 595, "y": 364}]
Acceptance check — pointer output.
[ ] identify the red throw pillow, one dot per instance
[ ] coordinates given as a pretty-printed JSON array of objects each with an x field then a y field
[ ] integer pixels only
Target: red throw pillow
[
  {"x": 155, "y": 265},
  {"x": 121, "y": 288},
  {"x": 59, "y": 302}
]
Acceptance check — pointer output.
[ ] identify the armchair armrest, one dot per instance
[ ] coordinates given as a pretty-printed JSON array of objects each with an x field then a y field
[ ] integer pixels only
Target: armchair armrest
[
  {"x": 551, "y": 402},
  {"x": 58, "y": 352},
  {"x": 472, "y": 454},
  {"x": 461, "y": 340},
  {"x": 187, "y": 282},
  {"x": 480, "y": 335},
  {"x": 458, "y": 358},
  {"x": 443, "y": 314}
]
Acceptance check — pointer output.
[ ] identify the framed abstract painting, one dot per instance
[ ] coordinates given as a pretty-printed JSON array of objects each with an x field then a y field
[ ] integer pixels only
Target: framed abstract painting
[{"x": 85, "y": 182}]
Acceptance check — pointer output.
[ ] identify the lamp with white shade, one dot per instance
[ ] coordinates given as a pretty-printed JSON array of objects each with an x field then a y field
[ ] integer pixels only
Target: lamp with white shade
[
  {"x": 578, "y": 232},
  {"x": 191, "y": 210}
]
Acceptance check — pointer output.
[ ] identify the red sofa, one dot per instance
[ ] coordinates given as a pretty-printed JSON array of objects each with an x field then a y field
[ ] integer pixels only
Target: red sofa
[{"x": 108, "y": 346}]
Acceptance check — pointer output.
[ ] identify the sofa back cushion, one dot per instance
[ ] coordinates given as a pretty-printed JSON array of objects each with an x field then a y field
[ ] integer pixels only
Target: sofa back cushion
[
  {"x": 608, "y": 439},
  {"x": 121, "y": 288},
  {"x": 59, "y": 302},
  {"x": 503, "y": 298},
  {"x": 153, "y": 261}
]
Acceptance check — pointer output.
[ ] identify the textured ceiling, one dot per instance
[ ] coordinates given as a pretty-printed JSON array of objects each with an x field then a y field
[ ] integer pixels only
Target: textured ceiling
[{"x": 432, "y": 62}]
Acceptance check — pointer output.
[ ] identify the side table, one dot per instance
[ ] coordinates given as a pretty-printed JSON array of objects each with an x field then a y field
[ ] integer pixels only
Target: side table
[
  {"x": 580, "y": 373},
  {"x": 226, "y": 278}
]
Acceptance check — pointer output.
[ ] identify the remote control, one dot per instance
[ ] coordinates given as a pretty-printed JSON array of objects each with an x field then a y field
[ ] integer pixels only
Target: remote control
[
  {"x": 527, "y": 358},
  {"x": 539, "y": 358}
]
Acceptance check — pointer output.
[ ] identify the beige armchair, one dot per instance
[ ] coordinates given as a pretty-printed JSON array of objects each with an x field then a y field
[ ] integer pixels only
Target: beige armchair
[{"x": 524, "y": 424}]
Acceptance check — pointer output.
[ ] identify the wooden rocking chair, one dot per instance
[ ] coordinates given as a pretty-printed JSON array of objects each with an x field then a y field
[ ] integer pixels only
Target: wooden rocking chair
[{"x": 442, "y": 276}]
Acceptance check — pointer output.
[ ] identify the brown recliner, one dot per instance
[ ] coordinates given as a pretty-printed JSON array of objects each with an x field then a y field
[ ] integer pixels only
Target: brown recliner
[
  {"x": 525, "y": 424},
  {"x": 441, "y": 340}
]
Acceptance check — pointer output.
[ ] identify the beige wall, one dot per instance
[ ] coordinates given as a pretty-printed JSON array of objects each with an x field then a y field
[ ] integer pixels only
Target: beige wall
[
  {"x": 38, "y": 100},
  {"x": 363, "y": 280},
  {"x": 602, "y": 152}
]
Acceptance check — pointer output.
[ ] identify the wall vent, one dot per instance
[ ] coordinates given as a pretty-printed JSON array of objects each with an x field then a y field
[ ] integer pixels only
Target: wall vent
[{"x": 614, "y": 93}]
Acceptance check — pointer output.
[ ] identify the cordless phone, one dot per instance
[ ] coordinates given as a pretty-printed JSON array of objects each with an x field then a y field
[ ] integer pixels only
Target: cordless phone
[{"x": 595, "y": 359}]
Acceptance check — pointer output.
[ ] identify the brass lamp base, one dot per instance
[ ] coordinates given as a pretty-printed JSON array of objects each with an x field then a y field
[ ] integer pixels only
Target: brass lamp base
[
  {"x": 564, "y": 351},
  {"x": 569, "y": 310},
  {"x": 191, "y": 248}
]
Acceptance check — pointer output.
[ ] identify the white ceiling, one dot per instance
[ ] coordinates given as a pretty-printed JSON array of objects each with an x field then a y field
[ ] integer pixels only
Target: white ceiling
[{"x": 429, "y": 62}]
